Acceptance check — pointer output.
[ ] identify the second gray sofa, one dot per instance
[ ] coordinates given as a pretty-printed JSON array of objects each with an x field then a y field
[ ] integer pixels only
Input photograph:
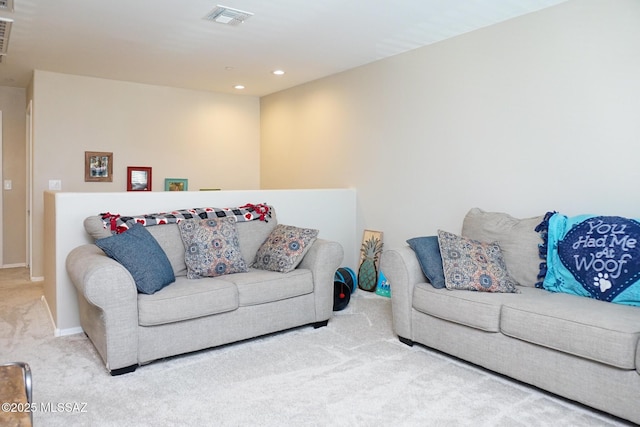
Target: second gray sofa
[{"x": 576, "y": 347}]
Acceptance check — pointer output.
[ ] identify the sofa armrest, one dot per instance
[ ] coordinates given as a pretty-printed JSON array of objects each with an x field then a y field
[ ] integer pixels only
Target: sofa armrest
[
  {"x": 108, "y": 300},
  {"x": 323, "y": 259},
  {"x": 402, "y": 270}
]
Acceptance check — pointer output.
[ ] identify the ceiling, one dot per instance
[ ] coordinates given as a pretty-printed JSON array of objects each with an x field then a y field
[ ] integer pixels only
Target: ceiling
[{"x": 168, "y": 43}]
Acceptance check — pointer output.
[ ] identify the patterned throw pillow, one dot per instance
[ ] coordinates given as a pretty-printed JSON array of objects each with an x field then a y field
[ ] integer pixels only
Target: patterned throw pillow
[
  {"x": 473, "y": 265},
  {"x": 284, "y": 248},
  {"x": 211, "y": 247}
]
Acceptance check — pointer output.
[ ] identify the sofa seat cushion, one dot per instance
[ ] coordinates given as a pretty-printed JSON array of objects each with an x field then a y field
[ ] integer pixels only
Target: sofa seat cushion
[
  {"x": 479, "y": 310},
  {"x": 260, "y": 286},
  {"x": 187, "y": 299},
  {"x": 595, "y": 330}
]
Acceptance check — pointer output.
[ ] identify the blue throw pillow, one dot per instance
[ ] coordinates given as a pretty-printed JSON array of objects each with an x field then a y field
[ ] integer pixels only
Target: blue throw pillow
[
  {"x": 139, "y": 252},
  {"x": 594, "y": 256},
  {"x": 428, "y": 253}
]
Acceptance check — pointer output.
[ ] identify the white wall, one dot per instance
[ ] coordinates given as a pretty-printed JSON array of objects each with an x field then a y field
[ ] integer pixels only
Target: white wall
[
  {"x": 332, "y": 211},
  {"x": 211, "y": 139},
  {"x": 12, "y": 105},
  {"x": 534, "y": 114}
]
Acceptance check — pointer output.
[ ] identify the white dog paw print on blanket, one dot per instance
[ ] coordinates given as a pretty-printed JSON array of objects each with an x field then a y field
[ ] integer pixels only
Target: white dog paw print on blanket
[{"x": 602, "y": 281}]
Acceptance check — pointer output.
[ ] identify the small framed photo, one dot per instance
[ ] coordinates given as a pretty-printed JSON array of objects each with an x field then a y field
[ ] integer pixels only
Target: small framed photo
[
  {"x": 138, "y": 178},
  {"x": 176, "y": 184},
  {"x": 98, "y": 166}
]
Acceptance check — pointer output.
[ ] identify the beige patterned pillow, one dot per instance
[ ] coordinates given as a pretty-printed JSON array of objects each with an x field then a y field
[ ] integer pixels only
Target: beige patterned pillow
[
  {"x": 472, "y": 265},
  {"x": 284, "y": 248},
  {"x": 211, "y": 247}
]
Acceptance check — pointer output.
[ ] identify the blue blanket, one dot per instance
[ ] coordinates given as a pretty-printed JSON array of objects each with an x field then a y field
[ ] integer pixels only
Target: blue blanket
[{"x": 594, "y": 256}]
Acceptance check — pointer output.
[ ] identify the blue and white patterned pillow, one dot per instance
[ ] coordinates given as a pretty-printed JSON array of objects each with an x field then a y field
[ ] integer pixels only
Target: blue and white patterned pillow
[
  {"x": 473, "y": 265},
  {"x": 284, "y": 248},
  {"x": 212, "y": 247},
  {"x": 594, "y": 256}
]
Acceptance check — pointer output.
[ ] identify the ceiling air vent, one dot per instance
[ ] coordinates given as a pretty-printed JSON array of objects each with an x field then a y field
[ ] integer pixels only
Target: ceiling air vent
[
  {"x": 5, "y": 29},
  {"x": 6, "y": 5},
  {"x": 227, "y": 15}
]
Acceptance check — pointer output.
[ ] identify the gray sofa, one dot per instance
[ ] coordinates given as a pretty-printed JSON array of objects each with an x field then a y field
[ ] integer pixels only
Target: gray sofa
[
  {"x": 576, "y": 347},
  {"x": 129, "y": 328}
]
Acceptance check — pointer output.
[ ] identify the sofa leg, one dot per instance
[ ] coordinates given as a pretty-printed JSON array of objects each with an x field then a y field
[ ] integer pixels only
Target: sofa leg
[
  {"x": 122, "y": 371},
  {"x": 320, "y": 324},
  {"x": 406, "y": 341}
]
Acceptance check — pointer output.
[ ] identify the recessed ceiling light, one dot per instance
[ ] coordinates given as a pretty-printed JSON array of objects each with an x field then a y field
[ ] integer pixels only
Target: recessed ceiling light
[
  {"x": 239, "y": 87},
  {"x": 227, "y": 15},
  {"x": 278, "y": 72}
]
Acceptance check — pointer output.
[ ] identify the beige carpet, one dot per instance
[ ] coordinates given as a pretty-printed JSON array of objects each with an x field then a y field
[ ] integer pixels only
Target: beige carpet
[{"x": 352, "y": 373}]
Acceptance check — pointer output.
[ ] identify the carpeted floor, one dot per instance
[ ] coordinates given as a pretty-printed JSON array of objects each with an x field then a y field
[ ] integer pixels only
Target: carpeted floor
[{"x": 354, "y": 372}]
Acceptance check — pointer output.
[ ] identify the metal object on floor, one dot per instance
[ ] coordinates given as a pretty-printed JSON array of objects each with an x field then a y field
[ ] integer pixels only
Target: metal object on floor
[{"x": 15, "y": 394}]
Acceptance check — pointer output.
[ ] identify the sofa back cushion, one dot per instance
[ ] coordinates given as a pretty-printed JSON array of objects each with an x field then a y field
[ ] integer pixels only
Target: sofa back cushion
[
  {"x": 517, "y": 238},
  {"x": 251, "y": 234},
  {"x": 168, "y": 236}
]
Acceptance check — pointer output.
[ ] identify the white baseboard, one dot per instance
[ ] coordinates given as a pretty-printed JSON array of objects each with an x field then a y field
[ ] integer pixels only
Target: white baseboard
[
  {"x": 37, "y": 278},
  {"x": 68, "y": 331},
  {"x": 46, "y": 306},
  {"x": 13, "y": 265},
  {"x": 59, "y": 332}
]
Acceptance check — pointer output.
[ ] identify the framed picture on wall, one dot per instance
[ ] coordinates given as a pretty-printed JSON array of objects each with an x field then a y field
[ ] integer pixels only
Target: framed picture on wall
[
  {"x": 98, "y": 166},
  {"x": 176, "y": 184},
  {"x": 138, "y": 178}
]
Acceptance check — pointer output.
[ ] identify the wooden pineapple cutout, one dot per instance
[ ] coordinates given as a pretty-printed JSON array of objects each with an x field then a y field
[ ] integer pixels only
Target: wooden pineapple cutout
[{"x": 369, "y": 259}]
